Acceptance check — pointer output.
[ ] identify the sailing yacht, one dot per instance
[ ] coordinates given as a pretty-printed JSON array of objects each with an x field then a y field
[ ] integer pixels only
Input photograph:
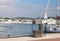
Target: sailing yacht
[
  {"x": 51, "y": 25},
  {"x": 46, "y": 20}
]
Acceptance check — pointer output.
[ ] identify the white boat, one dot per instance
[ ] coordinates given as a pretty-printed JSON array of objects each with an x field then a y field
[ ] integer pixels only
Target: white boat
[
  {"x": 49, "y": 21},
  {"x": 51, "y": 25},
  {"x": 52, "y": 28},
  {"x": 26, "y": 21},
  {"x": 10, "y": 21}
]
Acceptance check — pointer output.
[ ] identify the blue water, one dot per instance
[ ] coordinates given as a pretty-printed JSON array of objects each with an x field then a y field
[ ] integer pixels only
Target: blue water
[
  {"x": 13, "y": 30},
  {"x": 17, "y": 29}
]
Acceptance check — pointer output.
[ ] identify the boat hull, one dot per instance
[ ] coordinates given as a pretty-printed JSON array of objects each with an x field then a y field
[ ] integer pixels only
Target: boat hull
[{"x": 52, "y": 28}]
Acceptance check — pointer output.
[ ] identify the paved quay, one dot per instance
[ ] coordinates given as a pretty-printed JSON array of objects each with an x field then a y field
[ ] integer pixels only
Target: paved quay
[
  {"x": 55, "y": 39},
  {"x": 52, "y": 36}
]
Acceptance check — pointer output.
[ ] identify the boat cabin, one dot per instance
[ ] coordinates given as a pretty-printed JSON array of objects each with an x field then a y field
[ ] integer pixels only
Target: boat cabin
[{"x": 58, "y": 20}]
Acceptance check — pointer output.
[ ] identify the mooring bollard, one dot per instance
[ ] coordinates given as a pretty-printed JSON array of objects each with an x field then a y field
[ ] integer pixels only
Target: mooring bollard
[
  {"x": 8, "y": 36},
  {"x": 37, "y": 33}
]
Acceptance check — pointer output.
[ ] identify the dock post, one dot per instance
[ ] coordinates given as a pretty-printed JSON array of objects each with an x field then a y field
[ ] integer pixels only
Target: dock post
[
  {"x": 8, "y": 35},
  {"x": 45, "y": 29},
  {"x": 38, "y": 33}
]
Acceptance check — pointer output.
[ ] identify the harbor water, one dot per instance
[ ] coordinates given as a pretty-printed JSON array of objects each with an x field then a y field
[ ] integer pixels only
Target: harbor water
[
  {"x": 13, "y": 30},
  {"x": 16, "y": 30}
]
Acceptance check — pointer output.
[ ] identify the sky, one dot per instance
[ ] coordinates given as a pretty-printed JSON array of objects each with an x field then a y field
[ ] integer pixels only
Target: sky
[{"x": 28, "y": 8}]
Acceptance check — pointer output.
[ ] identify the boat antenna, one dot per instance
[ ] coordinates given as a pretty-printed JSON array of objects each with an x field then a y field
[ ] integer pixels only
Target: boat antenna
[{"x": 45, "y": 17}]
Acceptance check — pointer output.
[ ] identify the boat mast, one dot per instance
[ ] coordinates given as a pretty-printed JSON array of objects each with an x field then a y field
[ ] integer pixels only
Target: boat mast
[
  {"x": 57, "y": 16},
  {"x": 56, "y": 7},
  {"x": 45, "y": 17}
]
